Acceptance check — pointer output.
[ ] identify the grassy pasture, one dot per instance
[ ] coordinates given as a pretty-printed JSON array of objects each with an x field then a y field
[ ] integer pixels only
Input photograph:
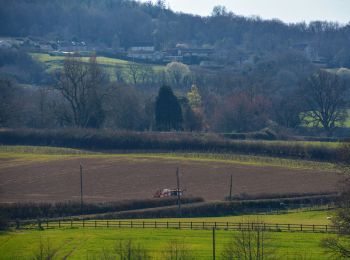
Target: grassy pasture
[
  {"x": 109, "y": 64},
  {"x": 315, "y": 217},
  {"x": 83, "y": 243},
  {"x": 40, "y": 153}
]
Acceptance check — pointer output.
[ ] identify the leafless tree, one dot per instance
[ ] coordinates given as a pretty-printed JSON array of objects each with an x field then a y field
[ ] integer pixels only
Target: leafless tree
[
  {"x": 250, "y": 243},
  {"x": 45, "y": 250},
  {"x": 128, "y": 250},
  {"x": 324, "y": 96},
  {"x": 134, "y": 72},
  {"x": 176, "y": 250},
  {"x": 81, "y": 86}
]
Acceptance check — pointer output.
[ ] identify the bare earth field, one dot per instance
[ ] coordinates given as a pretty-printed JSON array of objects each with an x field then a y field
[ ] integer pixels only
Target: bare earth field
[{"x": 114, "y": 179}]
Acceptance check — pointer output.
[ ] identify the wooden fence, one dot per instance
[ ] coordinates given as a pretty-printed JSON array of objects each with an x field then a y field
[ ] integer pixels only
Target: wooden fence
[{"x": 40, "y": 224}]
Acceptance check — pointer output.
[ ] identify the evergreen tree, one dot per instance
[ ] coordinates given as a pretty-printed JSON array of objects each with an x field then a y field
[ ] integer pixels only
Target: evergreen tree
[{"x": 168, "y": 110}]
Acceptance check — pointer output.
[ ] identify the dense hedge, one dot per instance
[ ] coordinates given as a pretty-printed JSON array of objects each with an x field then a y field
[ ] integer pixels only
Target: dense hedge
[
  {"x": 64, "y": 209},
  {"x": 155, "y": 141},
  {"x": 214, "y": 209}
]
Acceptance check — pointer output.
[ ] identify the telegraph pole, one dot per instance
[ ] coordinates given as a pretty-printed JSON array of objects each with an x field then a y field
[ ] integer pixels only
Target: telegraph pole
[
  {"x": 178, "y": 191},
  {"x": 231, "y": 188},
  {"x": 213, "y": 243},
  {"x": 81, "y": 189}
]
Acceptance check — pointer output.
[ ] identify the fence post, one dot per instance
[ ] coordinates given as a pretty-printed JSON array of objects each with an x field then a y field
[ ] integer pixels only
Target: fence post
[
  {"x": 59, "y": 223},
  {"x": 107, "y": 223},
  {"x": 213, "y": 243},
  {"x": 39, "y": 224},
  {"x": 131, "y": 224},
  {"x": 203, "y": 224},
  {"x": 119, "y": 223},
  {"x": 191, "y": 224},
  {"x": 71, "y": 223},
  {"x": 95, "y": 223},
  {"x": 83, "y": 223},
  {"x": 143, "y": 224},
  {"x": 17, "y": 224},
  {"x": 47, "y": 223},
  {"x": 167, "y": 224}
]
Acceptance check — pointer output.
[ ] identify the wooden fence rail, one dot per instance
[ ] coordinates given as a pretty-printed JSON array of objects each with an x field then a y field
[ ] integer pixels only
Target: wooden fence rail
[{"x": 45, "y": 224}]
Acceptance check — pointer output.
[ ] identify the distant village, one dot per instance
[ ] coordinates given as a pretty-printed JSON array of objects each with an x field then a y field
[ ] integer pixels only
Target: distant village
[{"x": 146, "y": 53}]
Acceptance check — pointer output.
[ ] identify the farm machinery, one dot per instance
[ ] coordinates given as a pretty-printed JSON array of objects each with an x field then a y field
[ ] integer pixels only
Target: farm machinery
[{"x": 164, "y": 193}]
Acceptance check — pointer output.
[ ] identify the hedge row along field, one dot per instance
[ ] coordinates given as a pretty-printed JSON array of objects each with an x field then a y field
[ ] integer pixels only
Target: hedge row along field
[
  {"x": 64, "y": 209},
  {"x": 217, "y": 209},
  {"x": 151, "y": 141}
]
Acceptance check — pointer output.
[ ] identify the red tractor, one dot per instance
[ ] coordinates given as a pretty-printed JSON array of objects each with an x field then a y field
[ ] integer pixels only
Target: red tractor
[{"x": 163, "y": 193}]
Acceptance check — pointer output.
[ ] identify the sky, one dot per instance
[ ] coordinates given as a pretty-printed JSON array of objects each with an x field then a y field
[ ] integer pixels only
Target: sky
[{"x": 289, "y": 11}]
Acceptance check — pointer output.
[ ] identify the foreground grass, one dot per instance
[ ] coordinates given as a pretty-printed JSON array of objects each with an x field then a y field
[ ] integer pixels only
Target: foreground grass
[
  {"x": 18, "y": 154},
  {"x": 84, "y": 243}
]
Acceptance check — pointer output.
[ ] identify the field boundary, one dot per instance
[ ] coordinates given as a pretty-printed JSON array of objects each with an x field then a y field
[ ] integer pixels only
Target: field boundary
[{"x": 193, "y": 225}]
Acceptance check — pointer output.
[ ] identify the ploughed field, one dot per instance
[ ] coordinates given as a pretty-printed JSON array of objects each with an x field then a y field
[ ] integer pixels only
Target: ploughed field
[{"x": 114, "y": 178}]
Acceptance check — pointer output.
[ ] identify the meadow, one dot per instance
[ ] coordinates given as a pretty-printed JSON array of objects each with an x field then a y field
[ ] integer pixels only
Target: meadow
[
  {"x": 76, "y": 243},
  {"x": 110, "y": 65}
]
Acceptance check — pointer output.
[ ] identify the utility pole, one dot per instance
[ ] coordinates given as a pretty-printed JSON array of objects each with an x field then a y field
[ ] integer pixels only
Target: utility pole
[
  {"x": 178, "y": 191},
  {"x": 231, "y": 188},
  {"x": 213, "y": 243},
  {"x": 81, "y": 189}
]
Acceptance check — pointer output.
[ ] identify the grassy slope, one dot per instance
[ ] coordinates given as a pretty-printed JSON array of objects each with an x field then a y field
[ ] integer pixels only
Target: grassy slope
[
  {"x": 18, "y": 154},
  {"x": 110, "y": 64},
  {"x": 80, "y": 243}
]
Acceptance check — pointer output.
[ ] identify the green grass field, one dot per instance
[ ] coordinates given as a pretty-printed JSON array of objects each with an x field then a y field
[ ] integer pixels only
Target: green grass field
[
  {"x": 316, "y": 217},
  {"x": 109, "y": 64},
  {"x": 40, "y": 153},
  {"x": 84, "y": 243}
]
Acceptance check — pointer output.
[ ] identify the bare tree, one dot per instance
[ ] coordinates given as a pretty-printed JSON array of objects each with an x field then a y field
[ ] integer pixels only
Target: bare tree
[
  {"x": 176, "y": 250},
  {"x": 45, "y": 251},
  {"x": 324, "y": 96},
  {"x": 128, "y": 250},
  {"x": 251, "y": 242},
  {"x": 134, "y": 72},
  {"x": 81, "y": 86}
]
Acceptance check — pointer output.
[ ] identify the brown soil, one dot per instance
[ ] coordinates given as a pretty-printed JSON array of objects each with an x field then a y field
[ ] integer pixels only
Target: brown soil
[{"x": 121, "y": 178}]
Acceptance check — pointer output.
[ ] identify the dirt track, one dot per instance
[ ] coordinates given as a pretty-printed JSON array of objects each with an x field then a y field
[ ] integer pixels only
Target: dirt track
[{"x": 114, "y": 179}]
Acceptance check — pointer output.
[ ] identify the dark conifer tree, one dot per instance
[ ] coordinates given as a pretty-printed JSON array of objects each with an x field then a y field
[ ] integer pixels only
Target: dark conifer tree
[{"x": 168, "y": 112}]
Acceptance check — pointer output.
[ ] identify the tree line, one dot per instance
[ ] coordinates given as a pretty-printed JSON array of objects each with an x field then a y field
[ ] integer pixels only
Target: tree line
[
  {"x": 81, "y": 95},
  {"x": 125, "y": 23}
]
